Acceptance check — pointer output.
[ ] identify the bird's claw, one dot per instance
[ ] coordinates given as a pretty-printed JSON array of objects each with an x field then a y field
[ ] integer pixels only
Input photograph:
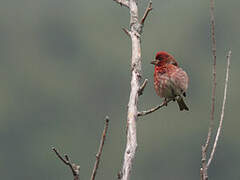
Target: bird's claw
[{"x": 165, "y": 102}]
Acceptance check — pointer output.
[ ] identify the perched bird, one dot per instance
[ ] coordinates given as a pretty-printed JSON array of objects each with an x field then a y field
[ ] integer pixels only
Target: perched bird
[{"x": 170, "y": 81}]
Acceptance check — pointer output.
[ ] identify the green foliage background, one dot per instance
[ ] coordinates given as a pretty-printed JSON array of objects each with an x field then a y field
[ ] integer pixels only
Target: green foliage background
[{"x": 64, "y": 65}]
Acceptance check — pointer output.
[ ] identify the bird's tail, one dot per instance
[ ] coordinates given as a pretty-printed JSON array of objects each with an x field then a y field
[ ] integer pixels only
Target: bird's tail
[{"x": 182, "y": 105}]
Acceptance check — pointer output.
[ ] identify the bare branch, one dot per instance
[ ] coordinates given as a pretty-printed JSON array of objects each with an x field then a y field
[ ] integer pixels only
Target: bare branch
[
  {"x": 214, "y": 73},
  {"x": 126, "y": 31},
  {"x": 148, "y": 9},
  {"x": 74, "y": 168},
  {"x": 203, "y": 170},
  {"x": 135, "y": 33},
  {"x": 60, "y": 157},
  {"x": 123, "y": 2},
  {"x": 98, "y": 155},
  {"x": 143, "y": 113},
  {"x": 222, "y": 113},
  {"x": 141, "y": 89},
  {"x": 131, "y": 144}
]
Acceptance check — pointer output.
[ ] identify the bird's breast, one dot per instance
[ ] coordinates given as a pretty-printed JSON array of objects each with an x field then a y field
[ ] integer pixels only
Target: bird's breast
[{"x": 162, "y": 85}]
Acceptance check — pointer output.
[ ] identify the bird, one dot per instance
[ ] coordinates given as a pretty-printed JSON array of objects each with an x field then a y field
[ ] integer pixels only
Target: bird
[{"x": 170, "y": 81}]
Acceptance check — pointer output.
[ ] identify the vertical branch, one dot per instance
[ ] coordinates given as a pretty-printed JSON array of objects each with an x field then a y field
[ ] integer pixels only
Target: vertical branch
[
  {"x": 98, "y": 155},
  {"x": 132, "y": 115},
  {"x": 131, "y": 145},
  {"x": 213, "y": 71},
  {"x": 223, "y": 108},
  {"x": 203, "y": 170},
  {"x": 206, "y": 163}
]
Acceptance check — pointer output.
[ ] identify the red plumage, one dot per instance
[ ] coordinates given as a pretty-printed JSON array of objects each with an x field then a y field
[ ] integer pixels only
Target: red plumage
[{"x": 170, "y": 81}]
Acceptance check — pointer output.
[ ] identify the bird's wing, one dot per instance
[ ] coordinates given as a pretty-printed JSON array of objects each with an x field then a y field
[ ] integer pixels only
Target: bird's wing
[{"x": 179, "y": 78}]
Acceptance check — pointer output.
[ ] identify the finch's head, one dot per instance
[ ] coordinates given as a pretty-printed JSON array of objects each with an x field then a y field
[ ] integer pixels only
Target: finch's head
[{"x": 163, "y": 58}]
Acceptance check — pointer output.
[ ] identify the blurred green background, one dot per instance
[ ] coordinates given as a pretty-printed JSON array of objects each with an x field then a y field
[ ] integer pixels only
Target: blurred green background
[{"x": 65, "y": 65}]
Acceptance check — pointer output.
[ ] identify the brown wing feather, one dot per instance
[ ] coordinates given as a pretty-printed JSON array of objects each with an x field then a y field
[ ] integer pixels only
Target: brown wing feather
[{"x": 179, "y": 78}]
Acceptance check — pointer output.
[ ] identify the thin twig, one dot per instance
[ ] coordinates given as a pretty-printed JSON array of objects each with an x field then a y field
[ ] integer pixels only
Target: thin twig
[
  {"x": 203, "y": 170},
  {"x": 148, "y": 9},
  {"x": 214, "y": 73},
  {"x": 123, "y": 2},
  {"x": 223, "y": 107},
  {"x": 142, "y": 87},
  {"x": 98, "y": 155},
  {"x": 204, "y": 175},
  {"x": 126, "y": 31},
  {"x": 74, "y": 168},
  {"x": 60, "y": 157},
  {"x": 143, "y": 113}
]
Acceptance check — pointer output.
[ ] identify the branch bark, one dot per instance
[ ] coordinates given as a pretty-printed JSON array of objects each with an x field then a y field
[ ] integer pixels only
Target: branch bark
[{"x": 135, "y": 34}]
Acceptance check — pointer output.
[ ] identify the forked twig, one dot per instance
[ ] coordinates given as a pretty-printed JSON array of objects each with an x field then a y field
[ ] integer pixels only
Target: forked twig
[
  {"x": 148, "y": 9},
  {"x": 74, "y": 168}
]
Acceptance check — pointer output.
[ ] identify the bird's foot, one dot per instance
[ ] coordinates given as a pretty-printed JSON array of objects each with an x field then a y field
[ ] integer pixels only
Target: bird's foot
[{"x": 165, "y": 102}]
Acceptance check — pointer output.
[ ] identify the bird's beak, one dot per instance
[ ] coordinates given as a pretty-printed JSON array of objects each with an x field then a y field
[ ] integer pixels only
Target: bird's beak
[{"x": 153, "y": 62}]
